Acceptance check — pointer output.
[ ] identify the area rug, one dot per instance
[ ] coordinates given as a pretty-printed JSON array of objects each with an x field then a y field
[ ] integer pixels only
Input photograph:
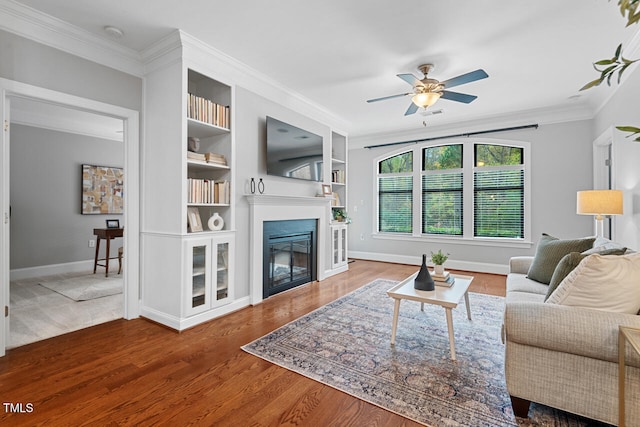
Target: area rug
[
  {"x": 86, "y": 287},
  {"x": 346, "y": 345}
]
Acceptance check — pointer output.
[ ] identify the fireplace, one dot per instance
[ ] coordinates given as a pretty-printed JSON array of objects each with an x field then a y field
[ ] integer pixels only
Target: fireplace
[
  {"x": 265, "y": 208},
  {"x": 289, "y": 254}
]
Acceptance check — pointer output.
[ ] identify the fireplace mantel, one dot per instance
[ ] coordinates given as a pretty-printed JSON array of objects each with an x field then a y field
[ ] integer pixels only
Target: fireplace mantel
[
  {"x": 278, "y": 200},
  {"x": 263, "y": 207}
]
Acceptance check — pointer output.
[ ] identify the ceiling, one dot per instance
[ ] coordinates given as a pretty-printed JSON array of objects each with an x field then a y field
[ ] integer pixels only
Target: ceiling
[{"x": 338, "y": 54}]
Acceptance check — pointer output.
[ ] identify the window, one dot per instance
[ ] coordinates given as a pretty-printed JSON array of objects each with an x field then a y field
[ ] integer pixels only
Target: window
[
  {"x": 471, "y": 190},
  {"x": 498, "y": 191},
  {"x": 395, "y": 194},
  {"x": 442, "y": 190}
]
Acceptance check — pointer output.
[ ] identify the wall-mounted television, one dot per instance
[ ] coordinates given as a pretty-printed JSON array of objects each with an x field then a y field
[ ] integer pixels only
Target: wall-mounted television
[{"x": 293, "y": 152}]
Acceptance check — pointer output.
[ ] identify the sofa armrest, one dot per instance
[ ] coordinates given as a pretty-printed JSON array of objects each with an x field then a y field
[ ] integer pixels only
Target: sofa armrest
[
  {"x": 520, "y": 264},
  {"x": 582, "y": 331}
]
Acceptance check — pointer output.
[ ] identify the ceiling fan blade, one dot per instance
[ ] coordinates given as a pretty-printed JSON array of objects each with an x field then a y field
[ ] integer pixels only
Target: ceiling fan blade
[
  {"x": 388, "y": 97},
  {"x": 410, "y": 78},
  {"x": 411, "y": 110},
  {"x": 457, "y": 96},
  {"x": 465, "y": 78}
]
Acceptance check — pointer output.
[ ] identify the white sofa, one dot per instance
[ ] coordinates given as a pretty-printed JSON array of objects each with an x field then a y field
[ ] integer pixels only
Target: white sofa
[{"x": 562, "y": 356}]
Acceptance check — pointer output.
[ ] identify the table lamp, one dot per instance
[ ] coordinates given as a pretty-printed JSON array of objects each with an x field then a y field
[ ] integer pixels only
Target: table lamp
[{"x": 599, "y": 203}]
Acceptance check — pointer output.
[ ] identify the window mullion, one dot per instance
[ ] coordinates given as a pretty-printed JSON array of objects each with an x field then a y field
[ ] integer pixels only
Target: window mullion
[
  {"x": 417, "y": 192},
  {"x": 467, "y": 190}
]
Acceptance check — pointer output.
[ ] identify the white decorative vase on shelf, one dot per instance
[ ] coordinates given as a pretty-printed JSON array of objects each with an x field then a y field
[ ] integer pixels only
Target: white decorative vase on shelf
[
  {"x": 216, "y": 222},
  {"x": 439, "y": 269}
]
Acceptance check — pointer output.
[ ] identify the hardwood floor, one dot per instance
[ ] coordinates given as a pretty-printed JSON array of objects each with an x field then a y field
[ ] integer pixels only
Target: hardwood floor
[{"x": 139, "y": 373}]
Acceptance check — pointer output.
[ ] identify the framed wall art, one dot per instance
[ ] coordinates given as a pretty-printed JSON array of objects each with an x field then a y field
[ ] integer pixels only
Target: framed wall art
[{"x": 102, "y": 188}]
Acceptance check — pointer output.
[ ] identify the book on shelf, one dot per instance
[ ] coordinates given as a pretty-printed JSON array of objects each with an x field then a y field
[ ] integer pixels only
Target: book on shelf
[
  {"x": 448, "y": 282},
  {"x": 338, "y": 176},
  {"x": 208, "y": 191},
  {"x": 215, "y": 158},
  {"x": 195, "y": 156},
  {"x": 207, "y": 111}
]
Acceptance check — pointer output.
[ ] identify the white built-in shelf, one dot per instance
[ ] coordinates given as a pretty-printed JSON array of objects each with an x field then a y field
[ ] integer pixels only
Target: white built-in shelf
[
  {"x": 208, "y": 204},
  {"x": 338, "y": 161},
  {"x": 338, "y": 183},
  {"x": 200, "y": 129},
  {"x": 198, "y": 164}
]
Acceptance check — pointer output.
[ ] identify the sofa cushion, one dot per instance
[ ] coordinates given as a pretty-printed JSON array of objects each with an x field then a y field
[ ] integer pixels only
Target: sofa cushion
[
  {"x": 602, "y": 244},
  {"x": 603, "y": 282},
  {"x": 571, "y": 261},
  {"x": 550, "y": 251},
  {"x": 520, "y": 283}
]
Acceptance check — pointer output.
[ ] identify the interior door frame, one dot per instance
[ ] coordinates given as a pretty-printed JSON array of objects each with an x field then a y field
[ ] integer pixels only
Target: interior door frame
[
  {"x": 131, "y": 217},
  {"x": 603, "y": 171}
]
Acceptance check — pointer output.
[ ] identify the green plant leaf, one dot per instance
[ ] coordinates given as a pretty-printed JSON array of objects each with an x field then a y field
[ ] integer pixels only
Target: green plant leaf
[
  {"x": 632, "y": 129},
  {"x": 618, "y": 51},
  {"x": 604, "y": 62},
  {"x": 591, "y": 84}
]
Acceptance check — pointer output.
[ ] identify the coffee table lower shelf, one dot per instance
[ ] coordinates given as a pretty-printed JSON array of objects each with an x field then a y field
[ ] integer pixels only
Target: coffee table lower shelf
[{"x": 444, "y": 296}]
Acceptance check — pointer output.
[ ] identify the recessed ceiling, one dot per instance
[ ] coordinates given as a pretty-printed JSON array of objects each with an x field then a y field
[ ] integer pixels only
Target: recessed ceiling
[{"x": 340, "y": 53}]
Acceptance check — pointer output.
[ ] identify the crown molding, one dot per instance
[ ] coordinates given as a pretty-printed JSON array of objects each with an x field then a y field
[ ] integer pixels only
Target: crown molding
[
  {"x": 32, "y": 24},
  {"x": 231, "y": 71}
]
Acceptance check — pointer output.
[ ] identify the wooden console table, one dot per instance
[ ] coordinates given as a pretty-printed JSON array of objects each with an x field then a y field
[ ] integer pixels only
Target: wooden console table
[{"x": 108, "y": 234}]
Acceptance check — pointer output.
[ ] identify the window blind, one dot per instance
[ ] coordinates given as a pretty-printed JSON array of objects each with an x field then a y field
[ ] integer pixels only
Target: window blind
[
  {"x": 499, "y": 203},
  {"x": 395, "y": 204},
  {"x": 442, "y": 203}
]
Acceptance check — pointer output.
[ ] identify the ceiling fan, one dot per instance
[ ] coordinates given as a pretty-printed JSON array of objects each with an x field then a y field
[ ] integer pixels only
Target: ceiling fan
[{"x": 427, "y": 91}]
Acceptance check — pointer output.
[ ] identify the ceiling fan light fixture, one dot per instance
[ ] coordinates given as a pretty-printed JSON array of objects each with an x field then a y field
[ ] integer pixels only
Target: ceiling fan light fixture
[{"x": 425, "y": 99}]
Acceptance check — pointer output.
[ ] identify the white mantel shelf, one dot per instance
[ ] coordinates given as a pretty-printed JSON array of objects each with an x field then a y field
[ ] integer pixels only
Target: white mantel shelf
[
  {"x": 279, "y": 200},
  {"x": 268, "y": 207}
]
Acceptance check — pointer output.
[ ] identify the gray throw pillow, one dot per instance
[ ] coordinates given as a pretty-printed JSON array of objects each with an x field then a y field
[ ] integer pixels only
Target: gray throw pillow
[
  {"x": 550, "y": 251},
  {"x": 569, "y": 262}
]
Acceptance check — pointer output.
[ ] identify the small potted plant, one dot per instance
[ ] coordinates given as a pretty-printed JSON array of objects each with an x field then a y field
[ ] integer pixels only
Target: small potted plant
[
  {"x": 340, "y": 215},
  {"x": 438, "y": 259}
]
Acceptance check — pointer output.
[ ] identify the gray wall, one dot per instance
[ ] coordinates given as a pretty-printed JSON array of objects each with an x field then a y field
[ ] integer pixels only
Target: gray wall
[
  {"x": 29, "y": 62},
  {"x": 46, "y": 224},
  {"x": 250, "y": 134},
  {"x": 561, "y": 164}
]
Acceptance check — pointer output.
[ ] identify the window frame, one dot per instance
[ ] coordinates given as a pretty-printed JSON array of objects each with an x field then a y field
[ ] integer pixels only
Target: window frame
[{"x": 468, "y": 168}]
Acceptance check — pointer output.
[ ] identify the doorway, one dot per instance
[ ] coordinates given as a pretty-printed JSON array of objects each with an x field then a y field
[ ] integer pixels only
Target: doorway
[
  {"x": 603, "y": 172},
  {"x": 52, "y": 246},
  {"x": 12, "y": 90}
]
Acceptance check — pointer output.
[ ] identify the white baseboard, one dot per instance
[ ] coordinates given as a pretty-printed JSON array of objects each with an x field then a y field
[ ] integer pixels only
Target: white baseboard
[
  {"x": 185, "y": 323},
  {"x": 68, "y": 267},
  {"x": 479, "y": 267}
]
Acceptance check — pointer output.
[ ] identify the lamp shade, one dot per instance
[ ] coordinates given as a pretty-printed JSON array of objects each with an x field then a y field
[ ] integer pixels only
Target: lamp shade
[
  {"x": 425, "y": 99},
  {"x": 599, "y": 202}
]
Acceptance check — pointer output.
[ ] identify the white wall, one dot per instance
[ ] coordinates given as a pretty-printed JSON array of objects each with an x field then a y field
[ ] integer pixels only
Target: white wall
[
  {"x": 561, "y": 164},
  {"x": 622, "y": 110},
  {"x": 250, "y": 134}
]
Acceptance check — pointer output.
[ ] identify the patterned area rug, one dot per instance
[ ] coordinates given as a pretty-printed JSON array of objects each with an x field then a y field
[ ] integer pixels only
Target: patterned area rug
[
  {"x": 87, "y": 287},
  {"x": 346, "y": 345}
]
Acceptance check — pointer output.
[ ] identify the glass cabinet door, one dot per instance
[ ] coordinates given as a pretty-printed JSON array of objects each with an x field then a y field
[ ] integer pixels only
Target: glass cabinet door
[
  {"x": 222, "y": 271},
  {"x": 336, "y": 246},
  {"x": 199, "y": 277},
  {"x": 343, "y": 245}
]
